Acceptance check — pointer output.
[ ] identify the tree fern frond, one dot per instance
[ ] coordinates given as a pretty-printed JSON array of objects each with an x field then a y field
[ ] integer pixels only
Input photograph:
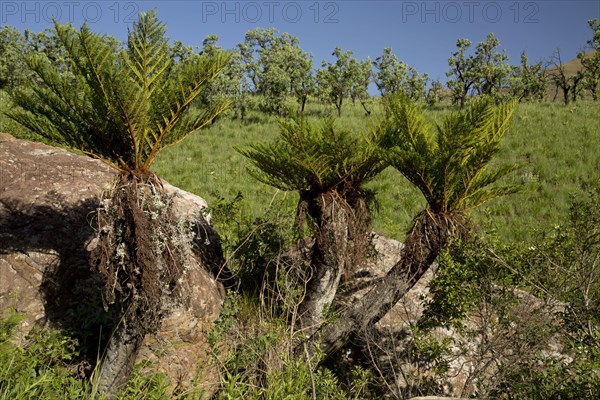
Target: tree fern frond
[
  {"x": 484, "y": 185},
  {"x": 183, "y": 128},
  {"x": 173, "y": 100},
  {"x": 314, "y": 157},
  {"x": 119, "y": 105},
  {"x": 449, "y": 164},
  {"x": 148, "y": 53},
  {"x": 490, "y": 193},
  {"x": 94, "y": 57},
  {"x": 57, "y": 99}
]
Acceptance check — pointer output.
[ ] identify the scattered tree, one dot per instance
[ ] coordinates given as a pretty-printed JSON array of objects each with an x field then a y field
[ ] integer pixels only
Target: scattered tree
[
  {"x": 390, "y": 72},
  {"x": 578, "y": 79},
  {"x": 275, "y": 65},
  {"x": 231, "y": 83},
  {"x": 464, "y": 72},
  {"x": 483, "y": 72},
  {"x": 180, "y": 52},
  {"x": 344, "y": 78},
  {"x": 415, "y": 87},
  {"x": 435, "y": 93},
  {"x": 46, "y": 42},
  {"x": 560, "y": 78},
  {"x": 360, "y": 86},
  {"x": 591, "y": 61},
  {"x": 393, "y": 77},
  {"x": 529, "y": 82},
  {"x": 12, "y": 65},
  {"x": 490, "y": 67},
  {"x": 15, "y": 46},
  {"x": 303, "y": 80}
]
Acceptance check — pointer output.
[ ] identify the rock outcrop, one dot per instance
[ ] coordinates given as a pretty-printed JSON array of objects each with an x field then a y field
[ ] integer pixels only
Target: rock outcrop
[
  {"x": 494, "y": 336},
  {"x": 48, "y": 198}
]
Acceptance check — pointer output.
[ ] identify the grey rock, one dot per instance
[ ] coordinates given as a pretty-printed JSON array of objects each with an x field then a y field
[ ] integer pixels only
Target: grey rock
[{"x": 477, "y": 355}]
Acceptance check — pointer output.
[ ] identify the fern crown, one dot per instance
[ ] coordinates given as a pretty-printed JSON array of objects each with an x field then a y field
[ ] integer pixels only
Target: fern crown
[
  {"x": 315, "y": 157},
  {"x": 120, "y": 104},
  {"x": 449, "y": 162}
]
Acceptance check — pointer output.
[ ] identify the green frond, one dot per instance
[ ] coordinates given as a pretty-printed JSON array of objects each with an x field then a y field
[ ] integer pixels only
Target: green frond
[
  {"x": 121, "y": 105},
  {"x": 148, "y": 53},
  {"x": 315, "y": 157},
  {"x": 93, "y": 57},
  {"x": 172, "y": 120},
  {"x": 485, "y": 187},
  {"x": 449, "y": 164}
]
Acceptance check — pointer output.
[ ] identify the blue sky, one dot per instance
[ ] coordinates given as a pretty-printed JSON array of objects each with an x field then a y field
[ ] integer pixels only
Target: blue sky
[{"x": 421, "y": 33}]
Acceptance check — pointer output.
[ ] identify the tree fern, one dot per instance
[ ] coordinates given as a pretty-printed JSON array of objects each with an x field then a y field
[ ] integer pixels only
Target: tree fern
[
  {"x": 125, "y": 105},
  {"x": 327, "y": 167},
  {"x": 450, "y": 162},
  {"x": 315, "y": 157}
]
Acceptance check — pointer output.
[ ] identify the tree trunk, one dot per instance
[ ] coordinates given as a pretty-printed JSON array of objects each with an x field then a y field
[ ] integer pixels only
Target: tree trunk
[
  {"x": 338, "y": 105},
  {"x": 139, "y": 275},
  {"x": 327, "y": 262},
  {"x": 303, "y": 104},
  {"x": 428, "y": 235},
  {"x": 575, "y": 88},
  {"x": 340, "y": 244},
  {"x": 565, "y": 94},
  {"x": 364, "y": 106},
  {"x": 119, "y": 358}
]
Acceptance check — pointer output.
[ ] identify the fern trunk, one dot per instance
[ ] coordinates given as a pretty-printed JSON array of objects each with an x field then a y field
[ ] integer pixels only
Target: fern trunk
[
  {"x": 327, "y": 261},
  {"x": 426, "y": 238},
  {"x": 119, "y": 358},
  {"x": 340, "y": 243},
  {"x": 141, "y": 254}
]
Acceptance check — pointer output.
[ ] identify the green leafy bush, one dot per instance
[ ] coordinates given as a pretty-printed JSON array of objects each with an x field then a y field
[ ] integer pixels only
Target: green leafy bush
[{"x": 40, "y": 369}]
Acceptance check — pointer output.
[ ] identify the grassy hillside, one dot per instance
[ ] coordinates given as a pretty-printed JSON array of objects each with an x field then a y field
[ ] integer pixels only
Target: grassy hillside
[
  {"x": 557, "y": 146},
  {"x": 571, "y": 67}
]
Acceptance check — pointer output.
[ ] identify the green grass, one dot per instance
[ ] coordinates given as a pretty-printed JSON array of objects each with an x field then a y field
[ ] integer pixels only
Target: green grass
[
  {"x": 208, "y": 165},
  {"x": 44, "y": 366},
  {"x": 557, "y": 145}
]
